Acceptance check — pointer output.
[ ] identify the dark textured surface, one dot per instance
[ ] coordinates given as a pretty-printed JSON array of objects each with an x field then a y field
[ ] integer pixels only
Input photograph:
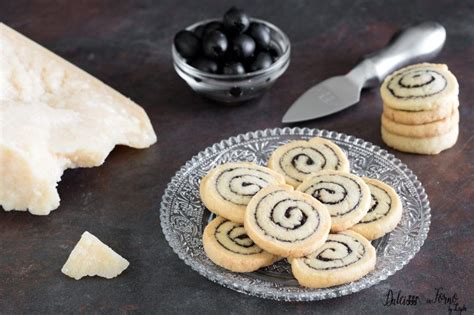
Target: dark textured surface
[{"x": 127, "y": 45}]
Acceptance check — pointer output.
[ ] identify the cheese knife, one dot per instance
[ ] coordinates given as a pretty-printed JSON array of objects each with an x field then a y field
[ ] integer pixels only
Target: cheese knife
[{"x": 417, "y": 43}]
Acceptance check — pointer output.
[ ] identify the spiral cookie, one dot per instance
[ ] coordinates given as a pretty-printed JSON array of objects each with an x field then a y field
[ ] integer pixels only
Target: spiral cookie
[
  {"x": 227, "y": 244},
  {"x": 420, "y": 87},
  {"x": 345, "y": 257},
  {"x": 407, "y": 117},
  {"x": 285, "y": 222},
  {"x": 227, "y": 189},
  {"x": 385, "y": 211},
  {"x": 299, "y": 159},
  {"x": 429, "y": 145},
  {"x": 430, "y": 129},
  {"x": 345, "y": 195}
]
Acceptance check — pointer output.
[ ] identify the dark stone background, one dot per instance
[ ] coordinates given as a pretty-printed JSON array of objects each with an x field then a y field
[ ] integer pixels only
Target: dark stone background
[{"x": 127, "y": 45}]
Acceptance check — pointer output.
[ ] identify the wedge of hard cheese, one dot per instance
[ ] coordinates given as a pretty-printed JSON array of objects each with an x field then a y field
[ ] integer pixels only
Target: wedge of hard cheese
[
  {"x": 90, "y": 257},
  {"x": 54, "y": 116}
]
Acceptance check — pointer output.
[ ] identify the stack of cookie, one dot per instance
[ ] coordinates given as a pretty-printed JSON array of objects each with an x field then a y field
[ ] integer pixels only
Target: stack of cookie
[
  {"x": 420, "y": 112},
  {"x": 306, "y": 207}
]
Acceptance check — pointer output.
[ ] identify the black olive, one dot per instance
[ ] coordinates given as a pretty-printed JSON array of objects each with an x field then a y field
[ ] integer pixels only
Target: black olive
[
  {"x": 214, "y": 45},
  {"x": 236, "y": 21},
  {"x": 213, "y": 26},
  {"x": 260, "y": 33},
  {"x": 262, "y": 61},
  {"x": 187, "y": 44},
  {"x": 274, "y": 50},
  {"x": 242, "y": 46},
  {"x": 199, "y": 31},
  {"x": 204, "y": 64},
  {"x": 233, "y": 68}
]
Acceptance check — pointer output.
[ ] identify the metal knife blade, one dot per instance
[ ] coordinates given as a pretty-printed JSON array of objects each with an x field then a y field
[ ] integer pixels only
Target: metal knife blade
[
  {"x": 325, "y": 98},
  {"x": 417, "y": 43}
]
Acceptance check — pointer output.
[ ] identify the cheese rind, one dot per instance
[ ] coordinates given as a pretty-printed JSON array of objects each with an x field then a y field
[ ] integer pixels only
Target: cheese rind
[
  {"x": 55, "y": 116},
  {"x": 90, "y": 257}
]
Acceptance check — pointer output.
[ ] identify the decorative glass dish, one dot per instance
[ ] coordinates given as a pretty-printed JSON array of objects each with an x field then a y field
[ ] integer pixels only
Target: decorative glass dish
[
  {"x": 239, "y": 87},
  {"x": 183, "y": 216}
]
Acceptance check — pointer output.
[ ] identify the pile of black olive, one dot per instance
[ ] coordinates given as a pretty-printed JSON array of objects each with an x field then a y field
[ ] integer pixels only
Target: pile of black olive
[{"x": 233, "y": 46}]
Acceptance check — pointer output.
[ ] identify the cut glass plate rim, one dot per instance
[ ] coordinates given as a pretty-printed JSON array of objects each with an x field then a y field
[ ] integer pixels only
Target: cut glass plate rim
[{"x": 305, "y": 294}]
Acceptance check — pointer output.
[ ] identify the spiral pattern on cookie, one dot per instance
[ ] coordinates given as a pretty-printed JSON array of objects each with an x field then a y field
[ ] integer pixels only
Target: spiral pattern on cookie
[
  {"x": 239, "y": 184},
  {"x": 341, "y": 193},
  {"x": 345, "y": 195},
  {"x": 232, "y": 236},
  {"x": 339, "y": 251},
  {"x": 385, "y": 211},
  {"x": 227, "y": 189},
  {"x": 380, "y": 205},
  {"x": 228, "y": 245},
  {"x": 344, "y": 257},
  {"x": 286, "y": 222},
  {"x": 308, "y": 160},
  {"x": 285, "y": 218},
  {"x": 299, "y": 159},
  {"x": 416, "y": 83}
]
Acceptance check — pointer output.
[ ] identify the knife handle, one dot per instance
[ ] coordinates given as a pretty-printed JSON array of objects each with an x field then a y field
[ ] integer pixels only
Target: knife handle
[{"x": 417, "y": 43}]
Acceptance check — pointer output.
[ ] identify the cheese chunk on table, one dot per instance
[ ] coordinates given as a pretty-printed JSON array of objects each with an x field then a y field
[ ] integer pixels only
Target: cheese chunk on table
[
  {"x": 54, "y": 116},
  {"x": 90, "y": 257}
]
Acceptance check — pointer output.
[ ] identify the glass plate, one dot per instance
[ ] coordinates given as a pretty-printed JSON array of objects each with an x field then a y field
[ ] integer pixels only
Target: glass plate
[{"x": 183, "y": 216}]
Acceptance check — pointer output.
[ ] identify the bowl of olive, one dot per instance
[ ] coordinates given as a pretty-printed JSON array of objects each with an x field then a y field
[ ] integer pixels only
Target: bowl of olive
[{"x": 231, "y": 59}]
